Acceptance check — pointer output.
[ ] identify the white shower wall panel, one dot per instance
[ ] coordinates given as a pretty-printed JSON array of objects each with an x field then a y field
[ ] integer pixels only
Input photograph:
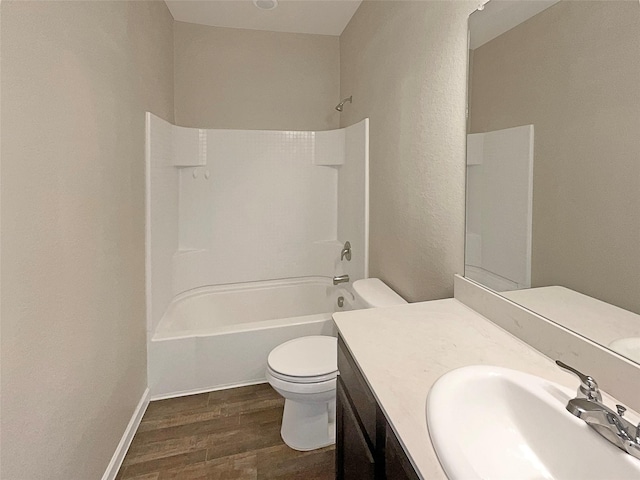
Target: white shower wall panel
[
  {"x": 260, "y": 208},
  {"x": 499, "y": 207},
  {"x": 353, "y": 200},
  {"x": 162, "y": 217}
]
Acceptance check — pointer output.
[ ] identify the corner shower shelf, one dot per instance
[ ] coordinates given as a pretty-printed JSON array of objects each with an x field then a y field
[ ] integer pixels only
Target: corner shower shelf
[{"x": 189, "y": 147}]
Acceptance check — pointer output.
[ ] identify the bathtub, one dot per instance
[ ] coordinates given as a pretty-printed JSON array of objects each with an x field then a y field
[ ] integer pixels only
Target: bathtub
[{"x": 219, "y": 337}]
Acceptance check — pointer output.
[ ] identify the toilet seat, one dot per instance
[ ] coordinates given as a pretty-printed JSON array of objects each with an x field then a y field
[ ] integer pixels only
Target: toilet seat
[
  {"x": 294, "y": 379},
  {"x": 310, "y": 359},
  {"x": 299, "y": 388}
]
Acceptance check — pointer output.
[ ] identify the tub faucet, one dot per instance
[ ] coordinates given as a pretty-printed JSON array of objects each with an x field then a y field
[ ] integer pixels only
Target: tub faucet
[
  {"x": 613, "y": 426},
  {"x": 340, "y": 279}
]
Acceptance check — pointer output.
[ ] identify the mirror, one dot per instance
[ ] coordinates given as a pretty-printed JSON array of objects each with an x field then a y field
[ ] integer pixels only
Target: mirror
[{"x": 553, "y": 162}]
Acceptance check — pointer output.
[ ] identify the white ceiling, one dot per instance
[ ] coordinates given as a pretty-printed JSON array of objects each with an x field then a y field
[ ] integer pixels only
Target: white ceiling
[
  {"x": 500, "y": 16},
  {"x": 325, "y": 17}
]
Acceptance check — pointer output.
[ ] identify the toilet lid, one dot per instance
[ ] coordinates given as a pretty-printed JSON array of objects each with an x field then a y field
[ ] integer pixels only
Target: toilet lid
[{"x": 305, "y": 357}]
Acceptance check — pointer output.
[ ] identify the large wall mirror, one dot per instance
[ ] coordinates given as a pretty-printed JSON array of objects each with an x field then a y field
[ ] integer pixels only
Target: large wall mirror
[{"x": 553, "y": 162}]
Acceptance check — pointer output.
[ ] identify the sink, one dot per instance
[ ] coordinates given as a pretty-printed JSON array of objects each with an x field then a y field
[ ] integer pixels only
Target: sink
[
  {"x": 494, "y": 423},
  {"x": 627, "y": 347}
]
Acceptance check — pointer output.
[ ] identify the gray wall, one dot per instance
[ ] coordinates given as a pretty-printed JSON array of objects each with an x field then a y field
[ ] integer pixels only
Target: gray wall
[
  {"x": 80, "y": 76},
  {"x": 76, "y": 80},
  {"x": 405, "y": 65},
  {"x": 249, "y": 79},
  {"x": 573, "y": 72}
]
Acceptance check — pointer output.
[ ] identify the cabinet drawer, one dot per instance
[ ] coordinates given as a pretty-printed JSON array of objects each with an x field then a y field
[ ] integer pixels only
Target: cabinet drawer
[{"x": 358, "y": 392}]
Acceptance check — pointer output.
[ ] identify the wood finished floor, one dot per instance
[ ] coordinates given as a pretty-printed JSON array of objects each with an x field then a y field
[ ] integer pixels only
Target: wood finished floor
[{"x": 227, "y": 435}]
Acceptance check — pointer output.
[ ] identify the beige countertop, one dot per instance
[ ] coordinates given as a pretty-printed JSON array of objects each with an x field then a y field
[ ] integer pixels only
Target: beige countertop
[{"x": 403, "y": 350}]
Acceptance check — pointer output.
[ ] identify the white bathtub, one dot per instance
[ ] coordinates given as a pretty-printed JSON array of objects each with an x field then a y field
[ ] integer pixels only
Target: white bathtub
[{"x": 218, "y": 337}]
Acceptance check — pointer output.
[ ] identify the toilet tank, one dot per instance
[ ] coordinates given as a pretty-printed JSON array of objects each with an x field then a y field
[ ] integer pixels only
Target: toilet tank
[{"x": 373, "y": 293}]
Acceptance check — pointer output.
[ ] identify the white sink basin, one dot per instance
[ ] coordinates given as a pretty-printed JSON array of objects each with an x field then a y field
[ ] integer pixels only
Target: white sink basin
[
  {"x": 628, "y": 347},
  {"x": 495, "y": 423}
]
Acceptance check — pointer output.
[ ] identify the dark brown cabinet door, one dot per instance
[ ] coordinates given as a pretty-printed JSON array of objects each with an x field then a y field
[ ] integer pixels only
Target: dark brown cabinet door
[
  {"x": 397, "y": 465},
  {"x": 354, "y": 460},
  {"x": 366, "y": 446},
  {"x": 359, "y": 394}
]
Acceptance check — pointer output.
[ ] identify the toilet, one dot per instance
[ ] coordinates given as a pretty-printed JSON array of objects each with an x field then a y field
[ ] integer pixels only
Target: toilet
[{"x": 304, "y": 371}]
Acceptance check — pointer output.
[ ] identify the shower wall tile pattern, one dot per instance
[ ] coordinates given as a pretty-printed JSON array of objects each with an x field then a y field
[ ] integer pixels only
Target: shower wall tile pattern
[{"x": 258, "y": 214}]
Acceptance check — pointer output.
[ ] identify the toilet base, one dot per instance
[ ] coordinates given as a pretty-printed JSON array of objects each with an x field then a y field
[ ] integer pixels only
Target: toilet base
[{"x": 308, "y": 426}]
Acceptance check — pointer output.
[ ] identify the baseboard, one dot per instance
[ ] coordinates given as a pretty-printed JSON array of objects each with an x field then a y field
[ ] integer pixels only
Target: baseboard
[
  {"x": 195, "y": 391},
  {"x": 127, "y": 437}
]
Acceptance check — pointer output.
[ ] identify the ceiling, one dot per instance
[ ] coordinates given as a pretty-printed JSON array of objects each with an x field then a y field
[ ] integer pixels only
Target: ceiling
[
  {"x": 498, "y": 17},
  {"x": 324, "y": 17}
]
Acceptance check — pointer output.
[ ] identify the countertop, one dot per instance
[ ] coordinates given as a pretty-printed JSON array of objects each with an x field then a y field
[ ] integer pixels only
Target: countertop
[{"x": 403, "y": 350}]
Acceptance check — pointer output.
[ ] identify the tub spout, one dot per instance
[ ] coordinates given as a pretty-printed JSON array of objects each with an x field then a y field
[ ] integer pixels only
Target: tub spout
[{"x": 340, "y": 279}]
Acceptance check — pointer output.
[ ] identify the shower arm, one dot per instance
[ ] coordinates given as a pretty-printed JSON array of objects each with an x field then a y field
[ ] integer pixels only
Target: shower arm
[{"x": 340, "y": 106}]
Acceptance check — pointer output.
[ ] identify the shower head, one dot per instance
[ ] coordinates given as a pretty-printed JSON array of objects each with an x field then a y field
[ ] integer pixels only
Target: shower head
[{"x": 340, "y": 106}]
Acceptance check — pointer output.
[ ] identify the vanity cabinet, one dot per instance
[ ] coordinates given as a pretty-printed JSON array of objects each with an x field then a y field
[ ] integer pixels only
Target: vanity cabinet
[{"x": 366, "y": 446}]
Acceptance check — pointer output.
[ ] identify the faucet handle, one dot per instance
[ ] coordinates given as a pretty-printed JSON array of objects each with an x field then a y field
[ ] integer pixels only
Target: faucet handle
[
  {"x": 588, "y": 386},
  {"x": 346, "y": 252}
]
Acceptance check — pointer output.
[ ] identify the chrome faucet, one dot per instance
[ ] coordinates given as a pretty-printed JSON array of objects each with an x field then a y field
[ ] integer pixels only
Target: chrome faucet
[
  {"x": 611, "y": 425},
  {"x": 346, "y": 252},
  {"x": 340, "y": 279}
]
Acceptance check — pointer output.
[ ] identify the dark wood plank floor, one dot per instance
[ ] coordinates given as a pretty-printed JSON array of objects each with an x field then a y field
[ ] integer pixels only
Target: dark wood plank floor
[{"x": 226, "y": 435}]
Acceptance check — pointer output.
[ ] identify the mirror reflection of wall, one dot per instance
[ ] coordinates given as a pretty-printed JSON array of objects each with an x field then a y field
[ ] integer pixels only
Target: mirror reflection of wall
[{"x": 571, "y": 70}]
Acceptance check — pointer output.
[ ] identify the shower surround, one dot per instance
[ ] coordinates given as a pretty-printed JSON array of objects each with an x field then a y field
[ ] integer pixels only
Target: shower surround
[{"x": 228, "y": 209}]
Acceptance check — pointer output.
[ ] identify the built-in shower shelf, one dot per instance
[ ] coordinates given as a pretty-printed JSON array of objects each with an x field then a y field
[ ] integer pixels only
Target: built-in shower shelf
[{"x": 189, "y": 147}]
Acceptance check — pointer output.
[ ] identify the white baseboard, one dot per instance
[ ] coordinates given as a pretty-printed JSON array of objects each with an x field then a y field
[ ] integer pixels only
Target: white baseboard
[
  {"x": 118, "y": 456},
  {"x": 195, "y": 391}
]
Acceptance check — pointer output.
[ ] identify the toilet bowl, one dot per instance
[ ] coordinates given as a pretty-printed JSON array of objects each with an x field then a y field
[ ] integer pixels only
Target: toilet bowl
[{"x": 304, "y": 371}]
